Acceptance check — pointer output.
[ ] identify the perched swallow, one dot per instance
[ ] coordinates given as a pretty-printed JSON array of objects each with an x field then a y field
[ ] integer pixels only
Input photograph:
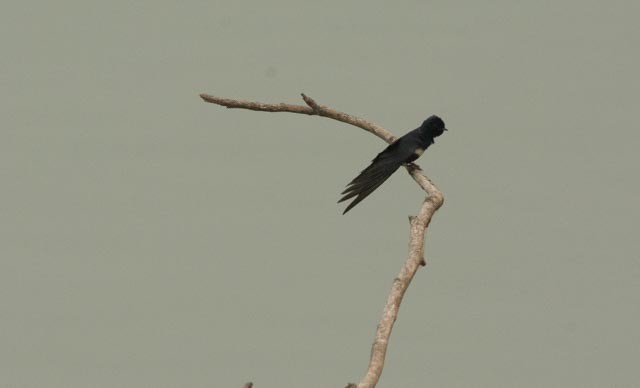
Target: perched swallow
[{"x": 402, "y": 151}]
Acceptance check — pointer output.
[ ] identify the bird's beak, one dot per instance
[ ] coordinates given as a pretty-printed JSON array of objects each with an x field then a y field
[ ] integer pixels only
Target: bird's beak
[{"x": 446, "y": 129}]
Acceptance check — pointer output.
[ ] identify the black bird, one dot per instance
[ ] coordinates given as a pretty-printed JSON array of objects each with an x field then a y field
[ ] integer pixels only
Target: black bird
[{"x": 404, "y": 150}]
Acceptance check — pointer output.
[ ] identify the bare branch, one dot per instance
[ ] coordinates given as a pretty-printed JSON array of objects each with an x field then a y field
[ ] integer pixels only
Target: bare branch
[
  {"x": 415, "y": 259},
  {"x": 312, "y": 109},
  {"x": 418, "y": 224}
]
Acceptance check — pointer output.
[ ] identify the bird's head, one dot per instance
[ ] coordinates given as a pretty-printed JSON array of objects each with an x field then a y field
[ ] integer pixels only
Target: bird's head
[{"x": 433, "y": 126}]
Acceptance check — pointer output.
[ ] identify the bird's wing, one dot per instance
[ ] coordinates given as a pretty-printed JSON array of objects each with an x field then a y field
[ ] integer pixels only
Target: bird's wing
[{"x": 380, "y": 169}]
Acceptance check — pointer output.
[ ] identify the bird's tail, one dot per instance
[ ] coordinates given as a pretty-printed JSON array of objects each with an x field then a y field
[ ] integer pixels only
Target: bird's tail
[{"x": 369, "y": 179}]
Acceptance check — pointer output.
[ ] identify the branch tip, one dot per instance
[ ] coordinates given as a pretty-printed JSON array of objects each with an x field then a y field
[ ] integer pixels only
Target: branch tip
[{"x": 311, "y": 102}]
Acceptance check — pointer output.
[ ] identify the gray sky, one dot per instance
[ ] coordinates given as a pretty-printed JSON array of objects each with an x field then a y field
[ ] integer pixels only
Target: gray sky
[{"x": 151, "y": 240}]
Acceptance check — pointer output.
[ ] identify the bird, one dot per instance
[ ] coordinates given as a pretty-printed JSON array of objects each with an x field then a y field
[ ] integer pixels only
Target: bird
[{"x": 402, "y": 151}]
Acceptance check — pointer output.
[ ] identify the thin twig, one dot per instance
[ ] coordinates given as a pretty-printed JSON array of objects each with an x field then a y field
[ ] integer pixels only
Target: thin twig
[
  {"x": 418, "y": 224},
  {"x": 312, "y": 109}
]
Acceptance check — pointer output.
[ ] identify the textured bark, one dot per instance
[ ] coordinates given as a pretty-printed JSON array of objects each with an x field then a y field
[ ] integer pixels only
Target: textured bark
[{"x": 418, "y": 224}]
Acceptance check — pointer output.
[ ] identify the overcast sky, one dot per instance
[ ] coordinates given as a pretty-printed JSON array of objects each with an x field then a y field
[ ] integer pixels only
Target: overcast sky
[{"x": 151, "y": 240}]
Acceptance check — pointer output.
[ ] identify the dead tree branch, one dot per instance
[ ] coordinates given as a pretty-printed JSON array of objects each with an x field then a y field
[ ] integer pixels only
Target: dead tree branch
[{"x": 418, "y": 224}]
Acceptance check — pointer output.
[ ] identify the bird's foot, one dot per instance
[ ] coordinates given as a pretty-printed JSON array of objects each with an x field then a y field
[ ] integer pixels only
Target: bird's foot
[{"x": 413, "y": 166}]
